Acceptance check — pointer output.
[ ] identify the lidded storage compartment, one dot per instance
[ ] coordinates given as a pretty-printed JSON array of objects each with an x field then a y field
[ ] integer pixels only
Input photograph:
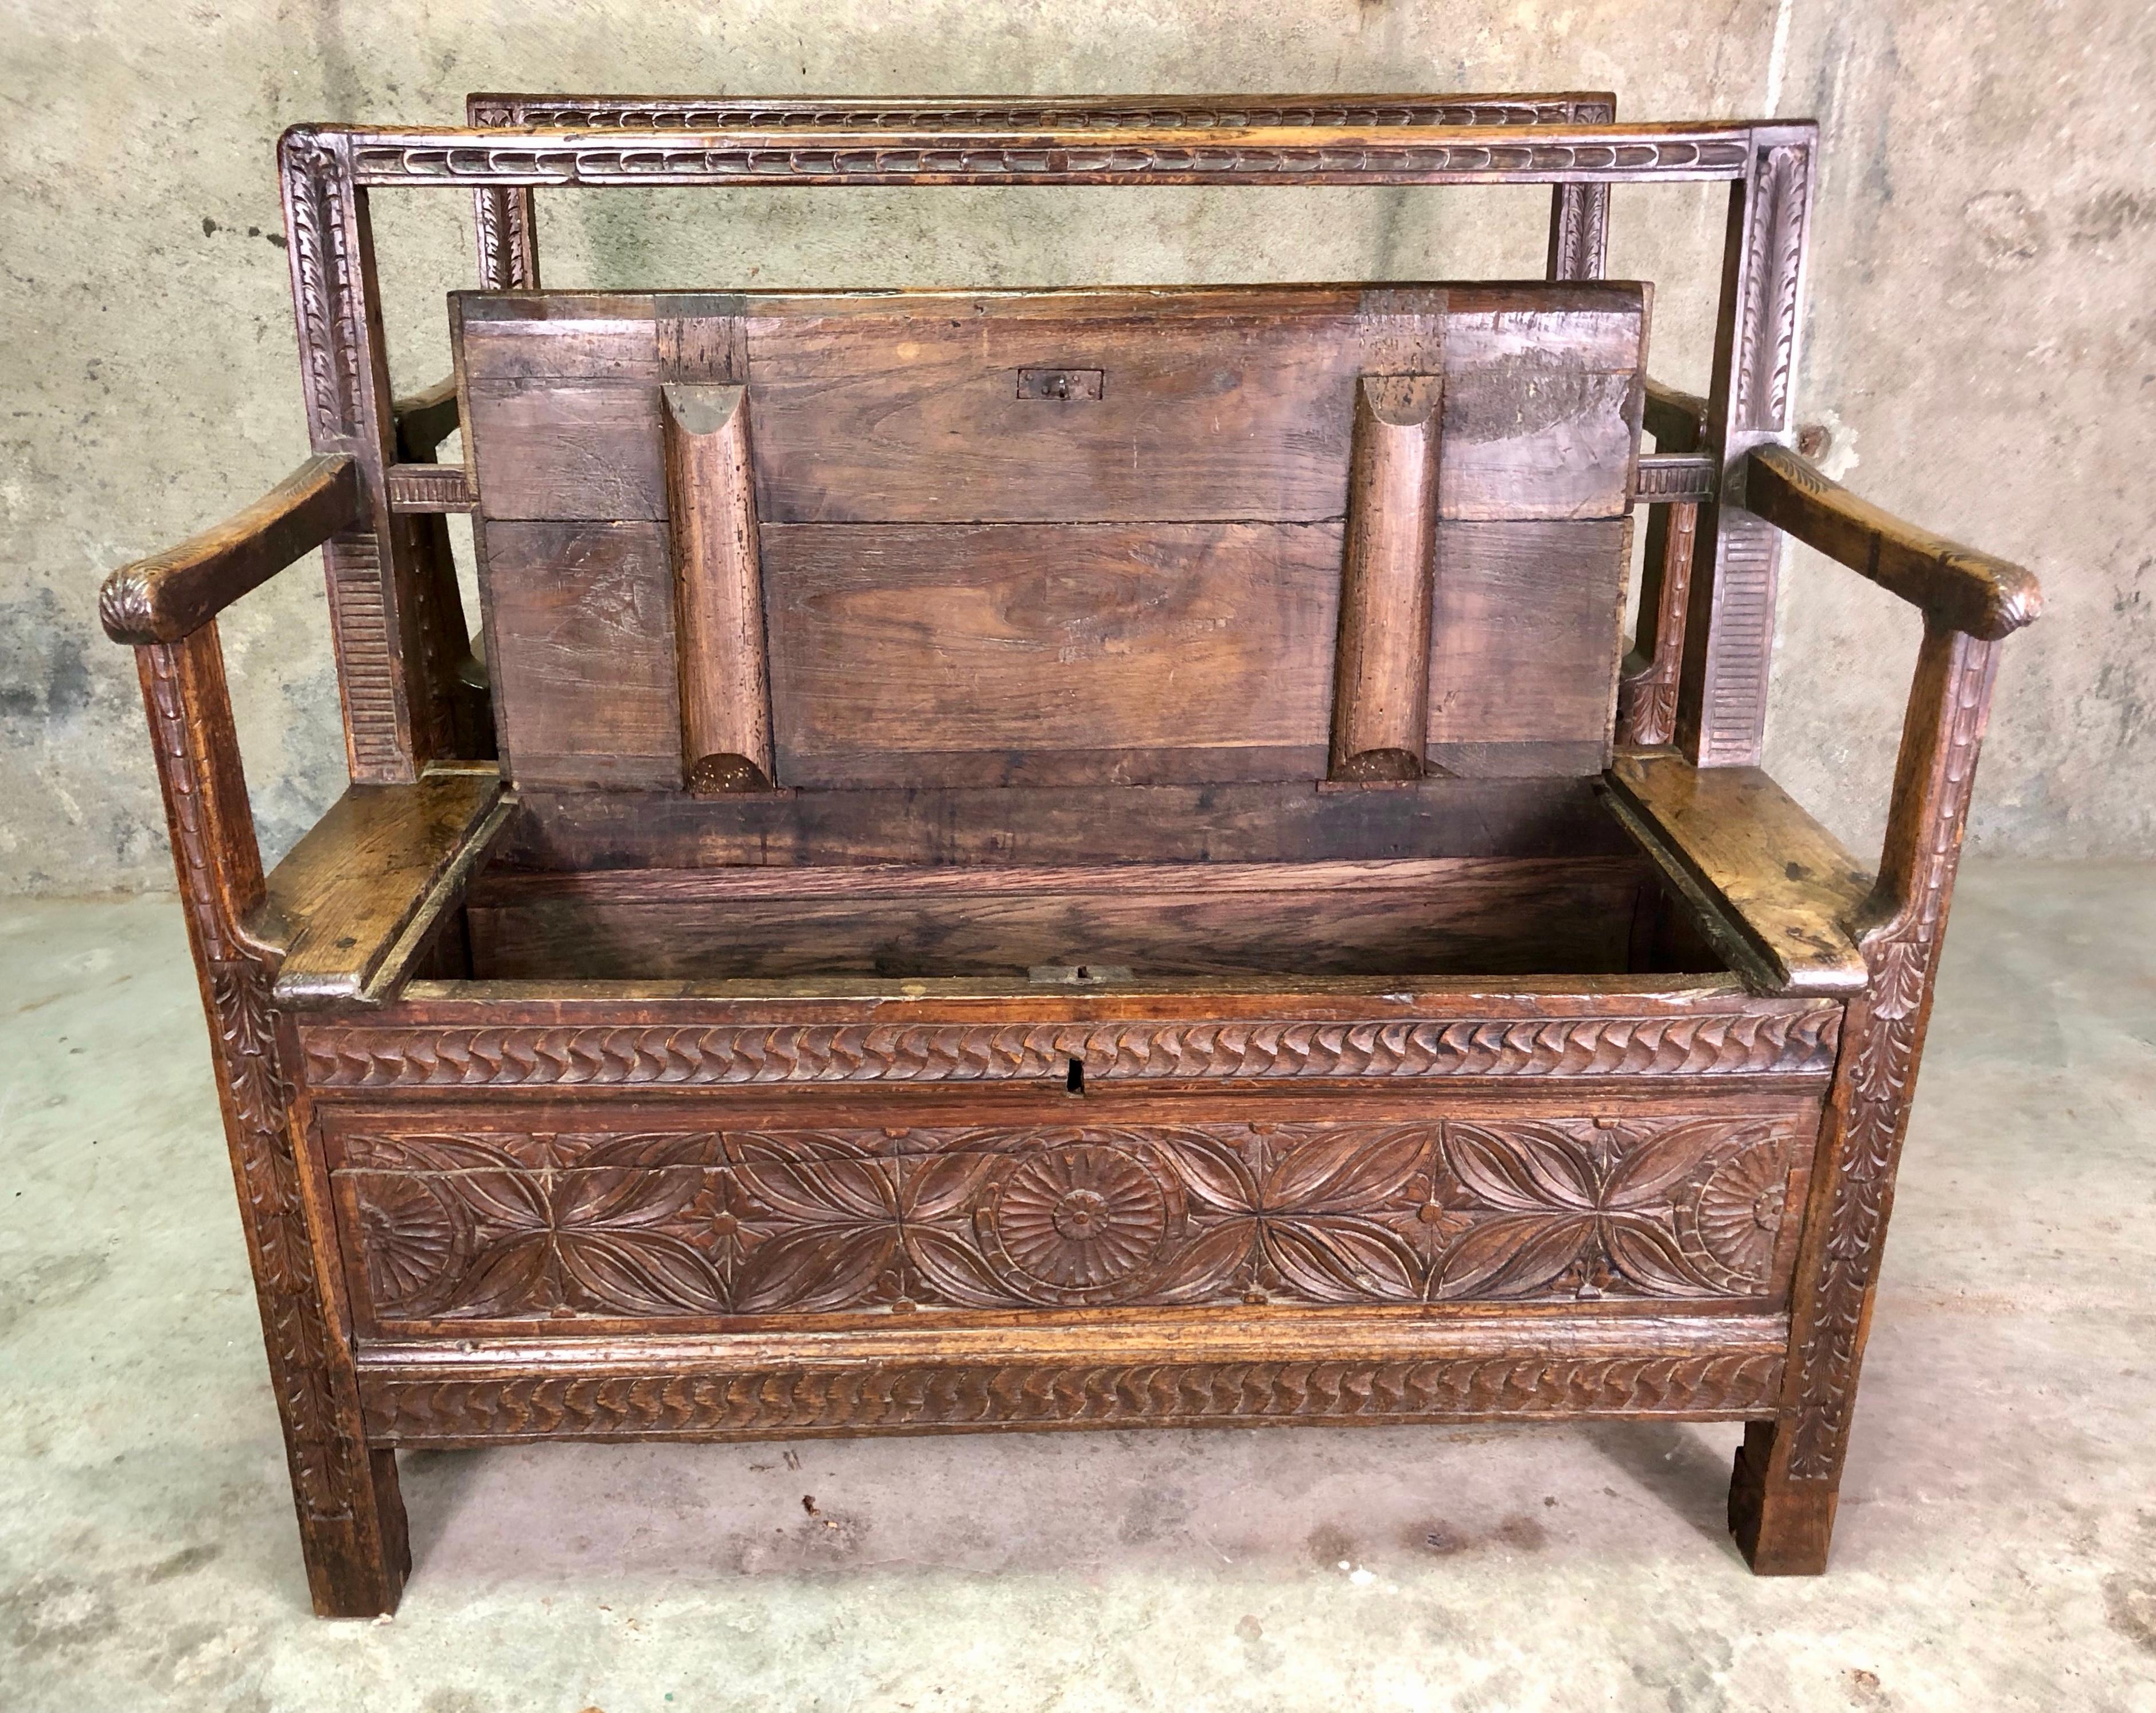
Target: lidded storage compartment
[{"x": 1060, "y": 637}]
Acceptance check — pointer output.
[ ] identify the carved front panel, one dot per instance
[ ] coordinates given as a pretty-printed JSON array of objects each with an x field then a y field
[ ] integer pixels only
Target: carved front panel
[{"x": 712, "y": 1223}]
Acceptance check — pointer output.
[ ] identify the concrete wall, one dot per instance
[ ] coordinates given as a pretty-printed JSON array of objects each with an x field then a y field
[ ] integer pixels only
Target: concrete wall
[{"x": 1982, "y": 345}]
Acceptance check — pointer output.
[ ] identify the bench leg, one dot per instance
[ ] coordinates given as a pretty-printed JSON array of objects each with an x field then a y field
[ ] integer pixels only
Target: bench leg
[
  {"x": 356, "y": 1562},
  {"x": 351, "y": 1515},
  {"x": 1783, "y": 1525}
]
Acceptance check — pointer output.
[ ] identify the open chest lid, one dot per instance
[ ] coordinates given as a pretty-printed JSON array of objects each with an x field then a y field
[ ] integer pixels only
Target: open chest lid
[{"x": 929, "y": 538}]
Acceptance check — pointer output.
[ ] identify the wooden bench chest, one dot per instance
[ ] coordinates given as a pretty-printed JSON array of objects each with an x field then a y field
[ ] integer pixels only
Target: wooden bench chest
[{"x": 1079, "y": 858}]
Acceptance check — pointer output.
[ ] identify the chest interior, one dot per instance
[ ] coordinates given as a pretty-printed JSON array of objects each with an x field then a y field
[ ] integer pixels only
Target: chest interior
[{"x": 1012, "y": 635}]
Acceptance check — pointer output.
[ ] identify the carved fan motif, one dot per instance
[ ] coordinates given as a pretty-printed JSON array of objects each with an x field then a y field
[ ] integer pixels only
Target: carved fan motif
[
  {"x": 412, "y": 1238},
  {"x": 1729, "y": 1228}
]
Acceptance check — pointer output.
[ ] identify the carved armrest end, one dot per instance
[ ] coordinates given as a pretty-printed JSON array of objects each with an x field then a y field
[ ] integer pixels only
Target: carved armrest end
[{"x": 168, "y": 596}]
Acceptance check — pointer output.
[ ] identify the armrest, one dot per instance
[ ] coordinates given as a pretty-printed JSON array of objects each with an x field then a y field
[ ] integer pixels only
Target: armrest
[
  {"x": 171, "y": 595},
  {"x": 1785, "y": 894},
  {"x": 353, "y": 902},
  {"x": 424, "y": 420},
  {"x": 1958, "y": 588}
]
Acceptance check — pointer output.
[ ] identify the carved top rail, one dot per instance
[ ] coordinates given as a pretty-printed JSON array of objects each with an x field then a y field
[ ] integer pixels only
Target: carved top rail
[
  {"x": 635, "y": 112},
  {"x": 1063, "y": 154}
]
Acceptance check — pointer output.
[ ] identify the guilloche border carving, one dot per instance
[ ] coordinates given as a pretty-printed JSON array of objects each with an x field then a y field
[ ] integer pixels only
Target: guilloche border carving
[
  {"x": 918, "y": 1397},
  {"x": 513, "y": 1056}
]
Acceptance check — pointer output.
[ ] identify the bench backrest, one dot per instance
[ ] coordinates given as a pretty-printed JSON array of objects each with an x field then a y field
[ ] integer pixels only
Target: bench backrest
[{"x": 1048, "y": 537}]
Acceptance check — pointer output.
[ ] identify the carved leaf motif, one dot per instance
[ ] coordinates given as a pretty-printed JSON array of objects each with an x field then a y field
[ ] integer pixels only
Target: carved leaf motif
[
  {"x": 953, "y": 1269},
  {"x": 820, "y": 1267},
  {"x": 1651, "y": 1167},
  {"x": 635, "y": 1272},
  {"x": 652, "y": 1148},
  {"x": 985, "y": 1217},
  {"x": 1341, "y": 1261},
  {"x": 1345, "y": 1170},
  {"x": 1649, "y": 1256},
  {"x": 1522, "y": 1168},
  {"x": 946, "y": 1186},
  {"x": 515, "y": 1200},
  {"x": 1208, "y": 1266},
  {"x": 1216, "y": 1177},
  {"x": 507, "y": 1277},
  {"x": 620, "y": 1199},
  {"x": 247, "y": 1032},
  {"x": 823, "y": 1191},
  {"x": 430, "y": 1153},
  {"x": 1513, "y": 1255}
]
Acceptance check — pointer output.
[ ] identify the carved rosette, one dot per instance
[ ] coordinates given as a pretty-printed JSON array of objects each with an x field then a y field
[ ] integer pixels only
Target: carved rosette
[
  {"x": 1078, "y": 1223},
  {"x": 715, "y": 1224},
  {"x": 1727, "y": 1231}
]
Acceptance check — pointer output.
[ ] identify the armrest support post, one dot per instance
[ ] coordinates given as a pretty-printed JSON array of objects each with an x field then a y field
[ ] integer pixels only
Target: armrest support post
[
  {"x": 1949, "y": 703},
  {"x": 424, "y": 420},
  {"x": 214, "y": 851}
]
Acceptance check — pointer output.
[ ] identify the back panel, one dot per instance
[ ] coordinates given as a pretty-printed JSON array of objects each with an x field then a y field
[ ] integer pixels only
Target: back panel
[{"x": 1050, "y": 537}]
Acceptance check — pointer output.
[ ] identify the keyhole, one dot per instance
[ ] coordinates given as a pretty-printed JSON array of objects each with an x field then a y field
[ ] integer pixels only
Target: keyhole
[
  {"x": 1057, "y": 386},
  {"x": 1075, "y": 1083}
]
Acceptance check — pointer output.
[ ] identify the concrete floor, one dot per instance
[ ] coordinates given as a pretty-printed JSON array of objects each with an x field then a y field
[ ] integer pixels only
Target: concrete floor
[{"x": 1998, "y": 1539}]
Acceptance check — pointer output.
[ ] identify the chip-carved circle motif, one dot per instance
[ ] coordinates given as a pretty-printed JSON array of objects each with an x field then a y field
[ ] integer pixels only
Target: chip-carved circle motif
[
  {"x": 413, "y": 1237},
  {"x": 1079, "y": 1221}
]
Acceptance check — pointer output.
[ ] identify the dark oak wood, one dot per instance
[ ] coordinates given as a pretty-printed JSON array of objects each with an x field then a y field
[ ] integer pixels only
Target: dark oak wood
[
  {"x": 1788, "y": 1472},
  {"x": 1780, "y": 879},
  {"x": 352, "y": 1518},
  {"x": 1134, "y": 583},
  {"x": 1427, "y": 916},
  {"x": 1729, "y": 624},
  {"x": 343, "y": 898},
  {"x": 1064, "y": 858},
  {"x": 986, "y": 826},
  {"x": 425, "y": 418}
]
